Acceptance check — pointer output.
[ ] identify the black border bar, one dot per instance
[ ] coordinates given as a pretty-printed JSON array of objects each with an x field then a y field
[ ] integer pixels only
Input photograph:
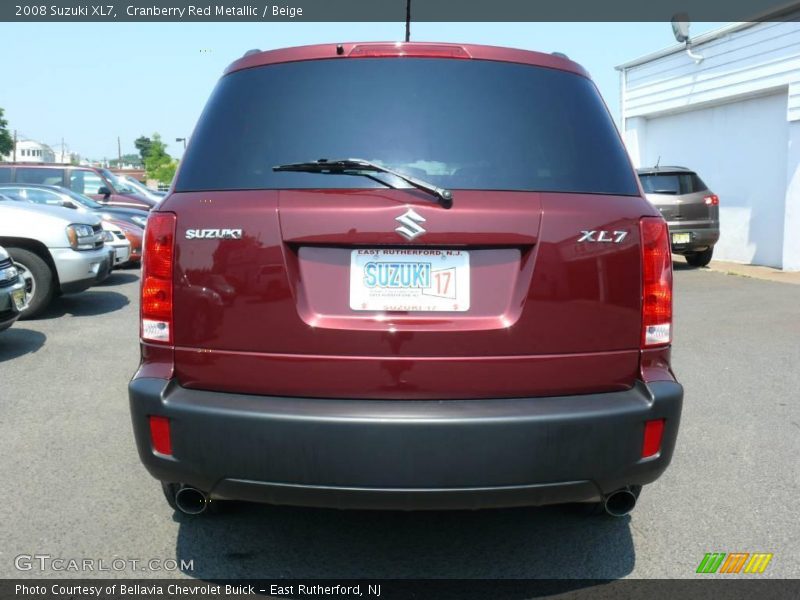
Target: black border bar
[
  {"x": 393, "y": 10},
  {"x": 704, "y": 586}
]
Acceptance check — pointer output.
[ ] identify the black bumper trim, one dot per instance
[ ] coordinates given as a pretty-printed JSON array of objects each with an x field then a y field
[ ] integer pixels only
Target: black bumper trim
[{"x": 394, "y": 454}]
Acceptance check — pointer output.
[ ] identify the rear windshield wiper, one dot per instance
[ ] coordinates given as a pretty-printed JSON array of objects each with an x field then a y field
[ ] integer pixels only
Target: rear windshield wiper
[{"x": 358, "y": 166}]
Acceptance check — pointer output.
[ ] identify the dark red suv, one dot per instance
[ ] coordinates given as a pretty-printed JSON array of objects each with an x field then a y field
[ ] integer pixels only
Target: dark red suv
[
  {"x": 406, "y": 276},
  {"x": 97, "y": 183}
]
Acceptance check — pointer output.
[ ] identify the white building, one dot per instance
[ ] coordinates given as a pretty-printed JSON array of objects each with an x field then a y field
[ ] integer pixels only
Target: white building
[
  {"x": 31, "y": 151},
  {"x": 734, "y": 117}
]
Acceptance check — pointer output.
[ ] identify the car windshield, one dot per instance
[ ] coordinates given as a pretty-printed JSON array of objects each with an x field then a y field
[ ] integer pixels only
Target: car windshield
[
  {"x": 136, "y": 185},
  {"x": 457, "y": 124},
  {"x": 80, "y": 199},
  {"x": 120, "y": 185},
  {"x": 672, "y": 183},
  {"x": 661, "y": 184}
]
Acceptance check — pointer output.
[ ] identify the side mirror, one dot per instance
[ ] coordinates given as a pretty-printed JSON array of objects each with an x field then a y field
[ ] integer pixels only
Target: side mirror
[
  {"x": 105, "y": 192},
  {"x": 68, "y": 204}
]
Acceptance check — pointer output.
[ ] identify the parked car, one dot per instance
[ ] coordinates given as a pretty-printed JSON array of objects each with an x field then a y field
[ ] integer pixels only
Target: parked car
[
  {"x": 115, "y": 239},
  {"x": 140, "y": 188},
  {"x": 93, "y": 182},
  {"x": 56, "y": 250},
  {"x": 135, "y": 237},
  {"x": 12, "y": 291},
  {"x": 475, "y": 312},
  {"x": 58, "y": 196},
  {"x": 690, "y": 208}
]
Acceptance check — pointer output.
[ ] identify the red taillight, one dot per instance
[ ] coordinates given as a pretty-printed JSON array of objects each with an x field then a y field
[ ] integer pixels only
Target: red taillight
[
  {"x": 712, "y": 200},
  {"x": 160, "y": 437},
  {"x": 656, "y": 282},
  {"x": 399, "y": 49},
  {"x": 653, "y": 432},
  {"x": 156, "y": 297}
]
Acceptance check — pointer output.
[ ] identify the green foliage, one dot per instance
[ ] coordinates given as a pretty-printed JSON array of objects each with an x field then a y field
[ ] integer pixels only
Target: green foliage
[
  {"x": 127, "y": 159},
  {"x": 158, "y": 164},
  {"x": 6, "y": 141},
  {"x": 143, "y": 144}
]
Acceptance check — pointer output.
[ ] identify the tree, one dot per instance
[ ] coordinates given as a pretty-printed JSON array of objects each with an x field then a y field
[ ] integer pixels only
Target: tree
[
  {"x": 159, "y": 165},
  {"x": 6, "y": 141},
  {"x": 143, "y": 144},
  {"x": 127, "y": 159}
]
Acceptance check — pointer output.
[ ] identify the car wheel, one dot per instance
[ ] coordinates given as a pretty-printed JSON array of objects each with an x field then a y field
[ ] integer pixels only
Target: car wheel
[
  {"x": 700, "y": 259},
  {"x": 38, "y": 278}
]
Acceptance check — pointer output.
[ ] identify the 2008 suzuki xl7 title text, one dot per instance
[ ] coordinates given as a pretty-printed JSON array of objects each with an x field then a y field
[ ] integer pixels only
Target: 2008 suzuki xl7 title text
[{"x": 406, "y": 276}]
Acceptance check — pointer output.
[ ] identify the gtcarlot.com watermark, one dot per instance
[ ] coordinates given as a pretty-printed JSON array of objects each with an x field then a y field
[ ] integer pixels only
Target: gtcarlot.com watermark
[{"x": 58, "y": 564}]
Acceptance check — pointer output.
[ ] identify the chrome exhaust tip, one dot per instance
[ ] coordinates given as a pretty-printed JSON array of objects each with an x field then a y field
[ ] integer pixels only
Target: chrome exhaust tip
[
  {"x": 191, "y": 501},
  {"x": 620, "y": 503}
]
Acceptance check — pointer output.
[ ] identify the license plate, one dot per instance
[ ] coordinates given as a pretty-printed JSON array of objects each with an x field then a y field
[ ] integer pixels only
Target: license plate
[
  {"x": 681, "y": 238},
  {"x": 18, "y": 296},
  {"x": 409, "y": 280}
]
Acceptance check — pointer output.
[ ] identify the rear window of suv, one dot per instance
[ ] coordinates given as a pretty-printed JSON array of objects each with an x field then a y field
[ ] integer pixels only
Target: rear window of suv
[
  {"x": 461, "y": 124},
  {"x": 672, "y": 183}
]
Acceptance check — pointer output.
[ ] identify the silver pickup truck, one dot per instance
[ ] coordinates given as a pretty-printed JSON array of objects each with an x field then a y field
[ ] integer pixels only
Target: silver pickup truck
[{"x": 55, "y": 250}]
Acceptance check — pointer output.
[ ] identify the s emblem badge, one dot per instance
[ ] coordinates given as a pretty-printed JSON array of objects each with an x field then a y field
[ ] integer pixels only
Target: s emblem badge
[{"x": 410, "y": 224}]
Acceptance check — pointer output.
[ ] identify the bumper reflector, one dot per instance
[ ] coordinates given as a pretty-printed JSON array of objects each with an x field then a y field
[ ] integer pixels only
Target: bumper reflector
[
  {"x": 653, "y": 432},
  {"x": 160, "y": 437}
]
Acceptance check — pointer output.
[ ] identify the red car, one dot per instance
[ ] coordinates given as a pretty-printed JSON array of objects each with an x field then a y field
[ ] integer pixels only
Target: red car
[
  {"x": 99, "y": 184},
  {"x": 406, "y": 276}
]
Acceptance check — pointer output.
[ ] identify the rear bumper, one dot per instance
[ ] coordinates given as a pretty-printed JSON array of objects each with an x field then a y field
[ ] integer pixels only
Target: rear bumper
[
  {"x": 397, "y": 454},
  {"x": 701, "y": 236}
]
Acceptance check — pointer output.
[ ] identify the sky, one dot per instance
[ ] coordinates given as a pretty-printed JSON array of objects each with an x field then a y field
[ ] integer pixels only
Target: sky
[{"x": 90, "y": 83}]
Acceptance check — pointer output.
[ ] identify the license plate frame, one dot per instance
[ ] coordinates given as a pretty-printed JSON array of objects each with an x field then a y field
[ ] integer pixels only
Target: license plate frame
[
  {"x": 409, "y": 280},
  {"x": 681, "y": 238}
]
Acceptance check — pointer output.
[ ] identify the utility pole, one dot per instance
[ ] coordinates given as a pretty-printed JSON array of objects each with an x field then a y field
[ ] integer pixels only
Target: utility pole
[
  {"x": 119, "y": 153},
  {"x": 408, "y": 20},
  {"x": 14, "y": 151}
]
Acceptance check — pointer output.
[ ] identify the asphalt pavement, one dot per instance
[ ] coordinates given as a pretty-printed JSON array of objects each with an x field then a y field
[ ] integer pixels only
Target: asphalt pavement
[{"x": 74, "y": 488}]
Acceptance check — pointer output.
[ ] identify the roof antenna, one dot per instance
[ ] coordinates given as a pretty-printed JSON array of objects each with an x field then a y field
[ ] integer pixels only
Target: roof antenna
[
  {"x": 658, "y": 162},
  {"x": 408, "y": 20}
]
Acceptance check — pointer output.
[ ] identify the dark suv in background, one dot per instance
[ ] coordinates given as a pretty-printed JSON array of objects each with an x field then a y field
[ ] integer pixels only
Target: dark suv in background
[
  {"x": 99, "y": 184},
  {"x": 406, "y": 276},
  {"x": 690, "y": 208}
]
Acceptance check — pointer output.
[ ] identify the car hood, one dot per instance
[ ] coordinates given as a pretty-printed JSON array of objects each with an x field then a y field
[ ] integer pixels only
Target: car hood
[
  {"x": 128, "y": 212},
  {"x": 52, "y": 213}
]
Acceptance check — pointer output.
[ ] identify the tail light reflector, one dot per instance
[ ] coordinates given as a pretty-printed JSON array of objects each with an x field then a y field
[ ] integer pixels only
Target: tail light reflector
[
  {"x": 653, "y": 432},
  {"x": 712, "y": 200},
  {"x": 656, "y": 282},
  {"x": 157, "y": 265},
  {"x": 160, "y": 435}
]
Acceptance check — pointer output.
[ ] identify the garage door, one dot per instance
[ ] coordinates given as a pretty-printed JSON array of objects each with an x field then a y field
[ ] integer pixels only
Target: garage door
[{"x": 740, "y": 151}]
